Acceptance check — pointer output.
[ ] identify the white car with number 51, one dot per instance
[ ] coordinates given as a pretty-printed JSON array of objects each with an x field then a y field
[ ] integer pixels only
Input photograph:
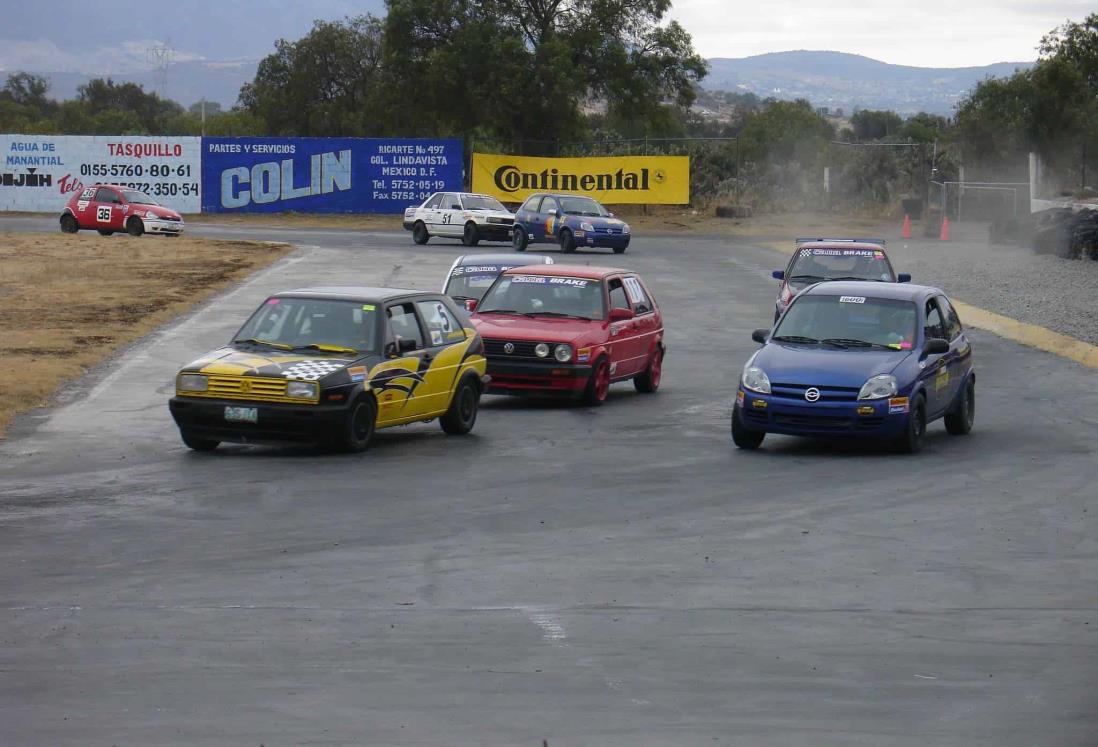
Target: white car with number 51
[{"x": 459, "y": 215}]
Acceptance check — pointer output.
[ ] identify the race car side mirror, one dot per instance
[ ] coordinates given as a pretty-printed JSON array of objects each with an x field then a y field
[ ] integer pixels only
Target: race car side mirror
[
  {"x": 778, "y": 274},
  {"x": 621, "y": 315},
  {"x": 904, "y": 277},
  {"x": 759, "y": 336},
  {"x": 470, "y": 304},
  {"x": 935, "y": 346},
  {"x": 553, "y": 211}
]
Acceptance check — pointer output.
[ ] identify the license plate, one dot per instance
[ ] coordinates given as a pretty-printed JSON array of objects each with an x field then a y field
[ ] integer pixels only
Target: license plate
[{"x": 242, "y": 414}]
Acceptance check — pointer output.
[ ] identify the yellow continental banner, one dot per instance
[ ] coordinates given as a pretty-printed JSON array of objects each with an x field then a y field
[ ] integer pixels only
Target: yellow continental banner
[{"x": 657, "y": 180}]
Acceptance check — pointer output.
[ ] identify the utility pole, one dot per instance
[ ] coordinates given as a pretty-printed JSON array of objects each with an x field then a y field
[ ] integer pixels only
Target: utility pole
[{"x": 160, "y": 57}]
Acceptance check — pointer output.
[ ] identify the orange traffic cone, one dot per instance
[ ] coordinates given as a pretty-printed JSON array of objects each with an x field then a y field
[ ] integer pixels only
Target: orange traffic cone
[
  {"x": 944, "y": 236},
  {"x": 905, "y": 232}
]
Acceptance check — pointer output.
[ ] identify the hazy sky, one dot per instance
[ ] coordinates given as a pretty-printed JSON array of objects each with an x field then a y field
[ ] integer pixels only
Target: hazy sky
[
  {"x": 90, "y": 37},
  {"x": 924, "y": 33}
]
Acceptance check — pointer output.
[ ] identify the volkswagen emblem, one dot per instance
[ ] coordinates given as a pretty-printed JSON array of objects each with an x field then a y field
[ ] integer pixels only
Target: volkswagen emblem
[
  {"x": 508, "y": 347},
  {"x": 812, "y": 394}
]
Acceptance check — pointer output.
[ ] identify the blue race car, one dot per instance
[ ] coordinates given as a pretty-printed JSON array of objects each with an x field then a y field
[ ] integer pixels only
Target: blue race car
[
  {"x": 874, "y": 360},
  {"x": 570, "y": 221}
]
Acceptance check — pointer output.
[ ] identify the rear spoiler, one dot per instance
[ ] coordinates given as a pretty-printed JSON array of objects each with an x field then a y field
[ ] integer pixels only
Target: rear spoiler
[{"x": 808, "y": 239}]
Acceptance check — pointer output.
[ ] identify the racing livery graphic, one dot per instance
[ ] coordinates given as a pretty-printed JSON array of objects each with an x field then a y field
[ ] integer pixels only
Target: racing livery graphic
[{"x": 328, "y": 366}]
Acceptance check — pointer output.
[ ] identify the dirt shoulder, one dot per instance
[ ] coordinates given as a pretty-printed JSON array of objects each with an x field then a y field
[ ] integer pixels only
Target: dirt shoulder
[{"x": 67, "y": 302}]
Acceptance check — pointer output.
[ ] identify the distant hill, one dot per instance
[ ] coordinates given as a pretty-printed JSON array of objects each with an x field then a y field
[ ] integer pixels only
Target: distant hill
[
  {"x": 844, "y": 81},
  {"x": 187, "y": 82}
]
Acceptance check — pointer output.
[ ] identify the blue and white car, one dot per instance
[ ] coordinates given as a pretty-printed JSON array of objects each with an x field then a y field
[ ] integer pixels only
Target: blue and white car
[
  {"x": 471, "y": 275},
  {"x": 570, "y": 221},
  {"x": 859, "y": 359}
]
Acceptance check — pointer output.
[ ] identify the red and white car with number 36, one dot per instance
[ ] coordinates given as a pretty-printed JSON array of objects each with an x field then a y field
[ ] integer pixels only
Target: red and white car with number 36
[{"x": 108, "y": 208}]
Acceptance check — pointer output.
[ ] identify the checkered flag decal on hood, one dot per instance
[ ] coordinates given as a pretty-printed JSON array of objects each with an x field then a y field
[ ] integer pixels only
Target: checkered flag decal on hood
[{"x": 311, "y": 370}]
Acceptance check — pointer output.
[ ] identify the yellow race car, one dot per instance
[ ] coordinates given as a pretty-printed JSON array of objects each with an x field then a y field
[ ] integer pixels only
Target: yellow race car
[{"x": 329, "y": 366}]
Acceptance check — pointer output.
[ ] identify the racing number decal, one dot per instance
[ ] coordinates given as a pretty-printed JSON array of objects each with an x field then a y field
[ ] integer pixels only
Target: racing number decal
[
  {"x": 448, "y": 218},
  {"x": 103, "y": 214}
]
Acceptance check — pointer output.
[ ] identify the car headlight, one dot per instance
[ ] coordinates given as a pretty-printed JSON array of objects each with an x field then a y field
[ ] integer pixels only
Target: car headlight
[
  {"x": 878, "y": 387},
  {"x": 301, "y": 389},
  {"x": 586, "y": 226},
  {"x": 563, "y": 353},
  {"x": 625, "y": 228},
  {"x": 541, "y": 350},
  {"x": 755, "y": 379},
  {"x": 192, "y": 383}
]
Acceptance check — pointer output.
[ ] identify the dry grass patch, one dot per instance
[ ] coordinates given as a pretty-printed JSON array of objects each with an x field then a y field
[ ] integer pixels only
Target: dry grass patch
[{"x": 67, "y": 302}]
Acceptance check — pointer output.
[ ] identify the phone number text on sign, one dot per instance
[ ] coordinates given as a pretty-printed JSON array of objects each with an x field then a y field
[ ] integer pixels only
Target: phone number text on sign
[{"x": 40, "y": 173}]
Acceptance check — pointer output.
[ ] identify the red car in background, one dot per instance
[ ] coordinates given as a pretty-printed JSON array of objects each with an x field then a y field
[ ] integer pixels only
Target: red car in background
[
  {"x": 818, "y": 259},
  {"x": 109, "y": 208},
  {"x": 570, "y": 329}
]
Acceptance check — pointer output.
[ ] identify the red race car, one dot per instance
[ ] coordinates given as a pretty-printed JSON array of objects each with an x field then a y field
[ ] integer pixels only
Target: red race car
[
  {"x": 108, "y": 208},
  {"x": 570, "y": 329}
]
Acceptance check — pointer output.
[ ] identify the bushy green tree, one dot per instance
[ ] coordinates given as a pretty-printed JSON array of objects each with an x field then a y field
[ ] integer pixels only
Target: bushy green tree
[{"x": 869, "y": 124}]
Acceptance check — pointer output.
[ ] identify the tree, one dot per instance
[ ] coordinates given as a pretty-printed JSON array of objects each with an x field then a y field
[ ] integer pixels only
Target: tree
[
  {"x": 785, "y": 130},
  {"x": 523, "y": 68},
  {"x": 321, "y": 85},
  {"x": 871, "y": 125},
  {"x": 924, "y": 127},
  {"x": 109, "y": 104},
  {"x": 1076, "y": 44}
]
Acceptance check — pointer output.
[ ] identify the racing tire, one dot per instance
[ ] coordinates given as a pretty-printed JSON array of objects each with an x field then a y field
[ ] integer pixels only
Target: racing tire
[
  {"x": 195, "y": 443},
  {"x": 359, "y": 427},
  {"x": 911, "y": 440},
  {"x": 742, "y": 436},
  {"x": 619, "y": 249},
  {"x": 105, "y": 232},
  {"x": 135, "y": 226},
  {"x": 419, "y": 233},
  {"x": 959, "y": 422},
  {"x": 69, "y": 224},
  {"x": 567, "y": 242},
  {"x": 462, "y": 415},
  {"x": 519, "y": 242},
  {"x": 598, "y": 384},
  {"x": 470, "y": 236},
  {"x": 648, "y": 381}
]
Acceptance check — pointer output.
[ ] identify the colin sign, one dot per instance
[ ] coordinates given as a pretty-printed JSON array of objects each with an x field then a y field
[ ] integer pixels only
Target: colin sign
[
  {"x": 611, "y": 179},
  {"x": 325, "y": 175}
]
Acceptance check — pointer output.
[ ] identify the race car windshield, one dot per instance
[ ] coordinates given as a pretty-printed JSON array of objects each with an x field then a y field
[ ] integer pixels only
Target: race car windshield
[
  {"x": 815, "y": 265},
  {"x": 318, "y": 324},
  {"x": 581, "y": 206},
  {"x": 849, "y": 322},
  {"x": 482, "y": 202},
  {"x": 472, "y": 282},
  {"x": 542, "y": 295},
  {"x": 138, "y": 198}
]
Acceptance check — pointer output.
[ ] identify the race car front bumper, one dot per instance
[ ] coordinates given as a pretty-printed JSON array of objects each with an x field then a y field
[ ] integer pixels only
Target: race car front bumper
[
  {"x": 495, "y": 231},
  {"x": 605, "y": 240},
  {"x": 536, "y": 377},
  {"x": 276, "y": 423},
  {"x": 155, "y": 225},
  {"x": 862, "y": 418}
]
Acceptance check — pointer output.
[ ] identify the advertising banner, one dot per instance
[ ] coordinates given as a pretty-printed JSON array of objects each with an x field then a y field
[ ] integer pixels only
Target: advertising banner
[
  {"x": 655, "y": 180},
  {"x": 325, "y": 175},
  {"x": 41, "y": 172}
]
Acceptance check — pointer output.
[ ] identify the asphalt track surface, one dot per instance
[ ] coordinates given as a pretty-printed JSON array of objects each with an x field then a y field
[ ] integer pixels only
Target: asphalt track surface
[{"x": 611, "y": 576}]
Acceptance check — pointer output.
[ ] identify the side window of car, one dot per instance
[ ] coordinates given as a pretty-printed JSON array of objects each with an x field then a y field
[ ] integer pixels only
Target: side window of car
[
  {"x": 531, "y": 205},
  {"x": 934, "y": 326},
  {"x": 548, "y": 204},
  {"x": 442, "y": 327},
  {"x": 452, "y": 202},
  {"x": 637, "y": 295},
  {"x": 618, "y": 298},
  {"x": 403, "y": 324},
  {"x": 952, "y": 321},
  {"x": 106, "y": 195},
  {"x": 434, "y": 202}
]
